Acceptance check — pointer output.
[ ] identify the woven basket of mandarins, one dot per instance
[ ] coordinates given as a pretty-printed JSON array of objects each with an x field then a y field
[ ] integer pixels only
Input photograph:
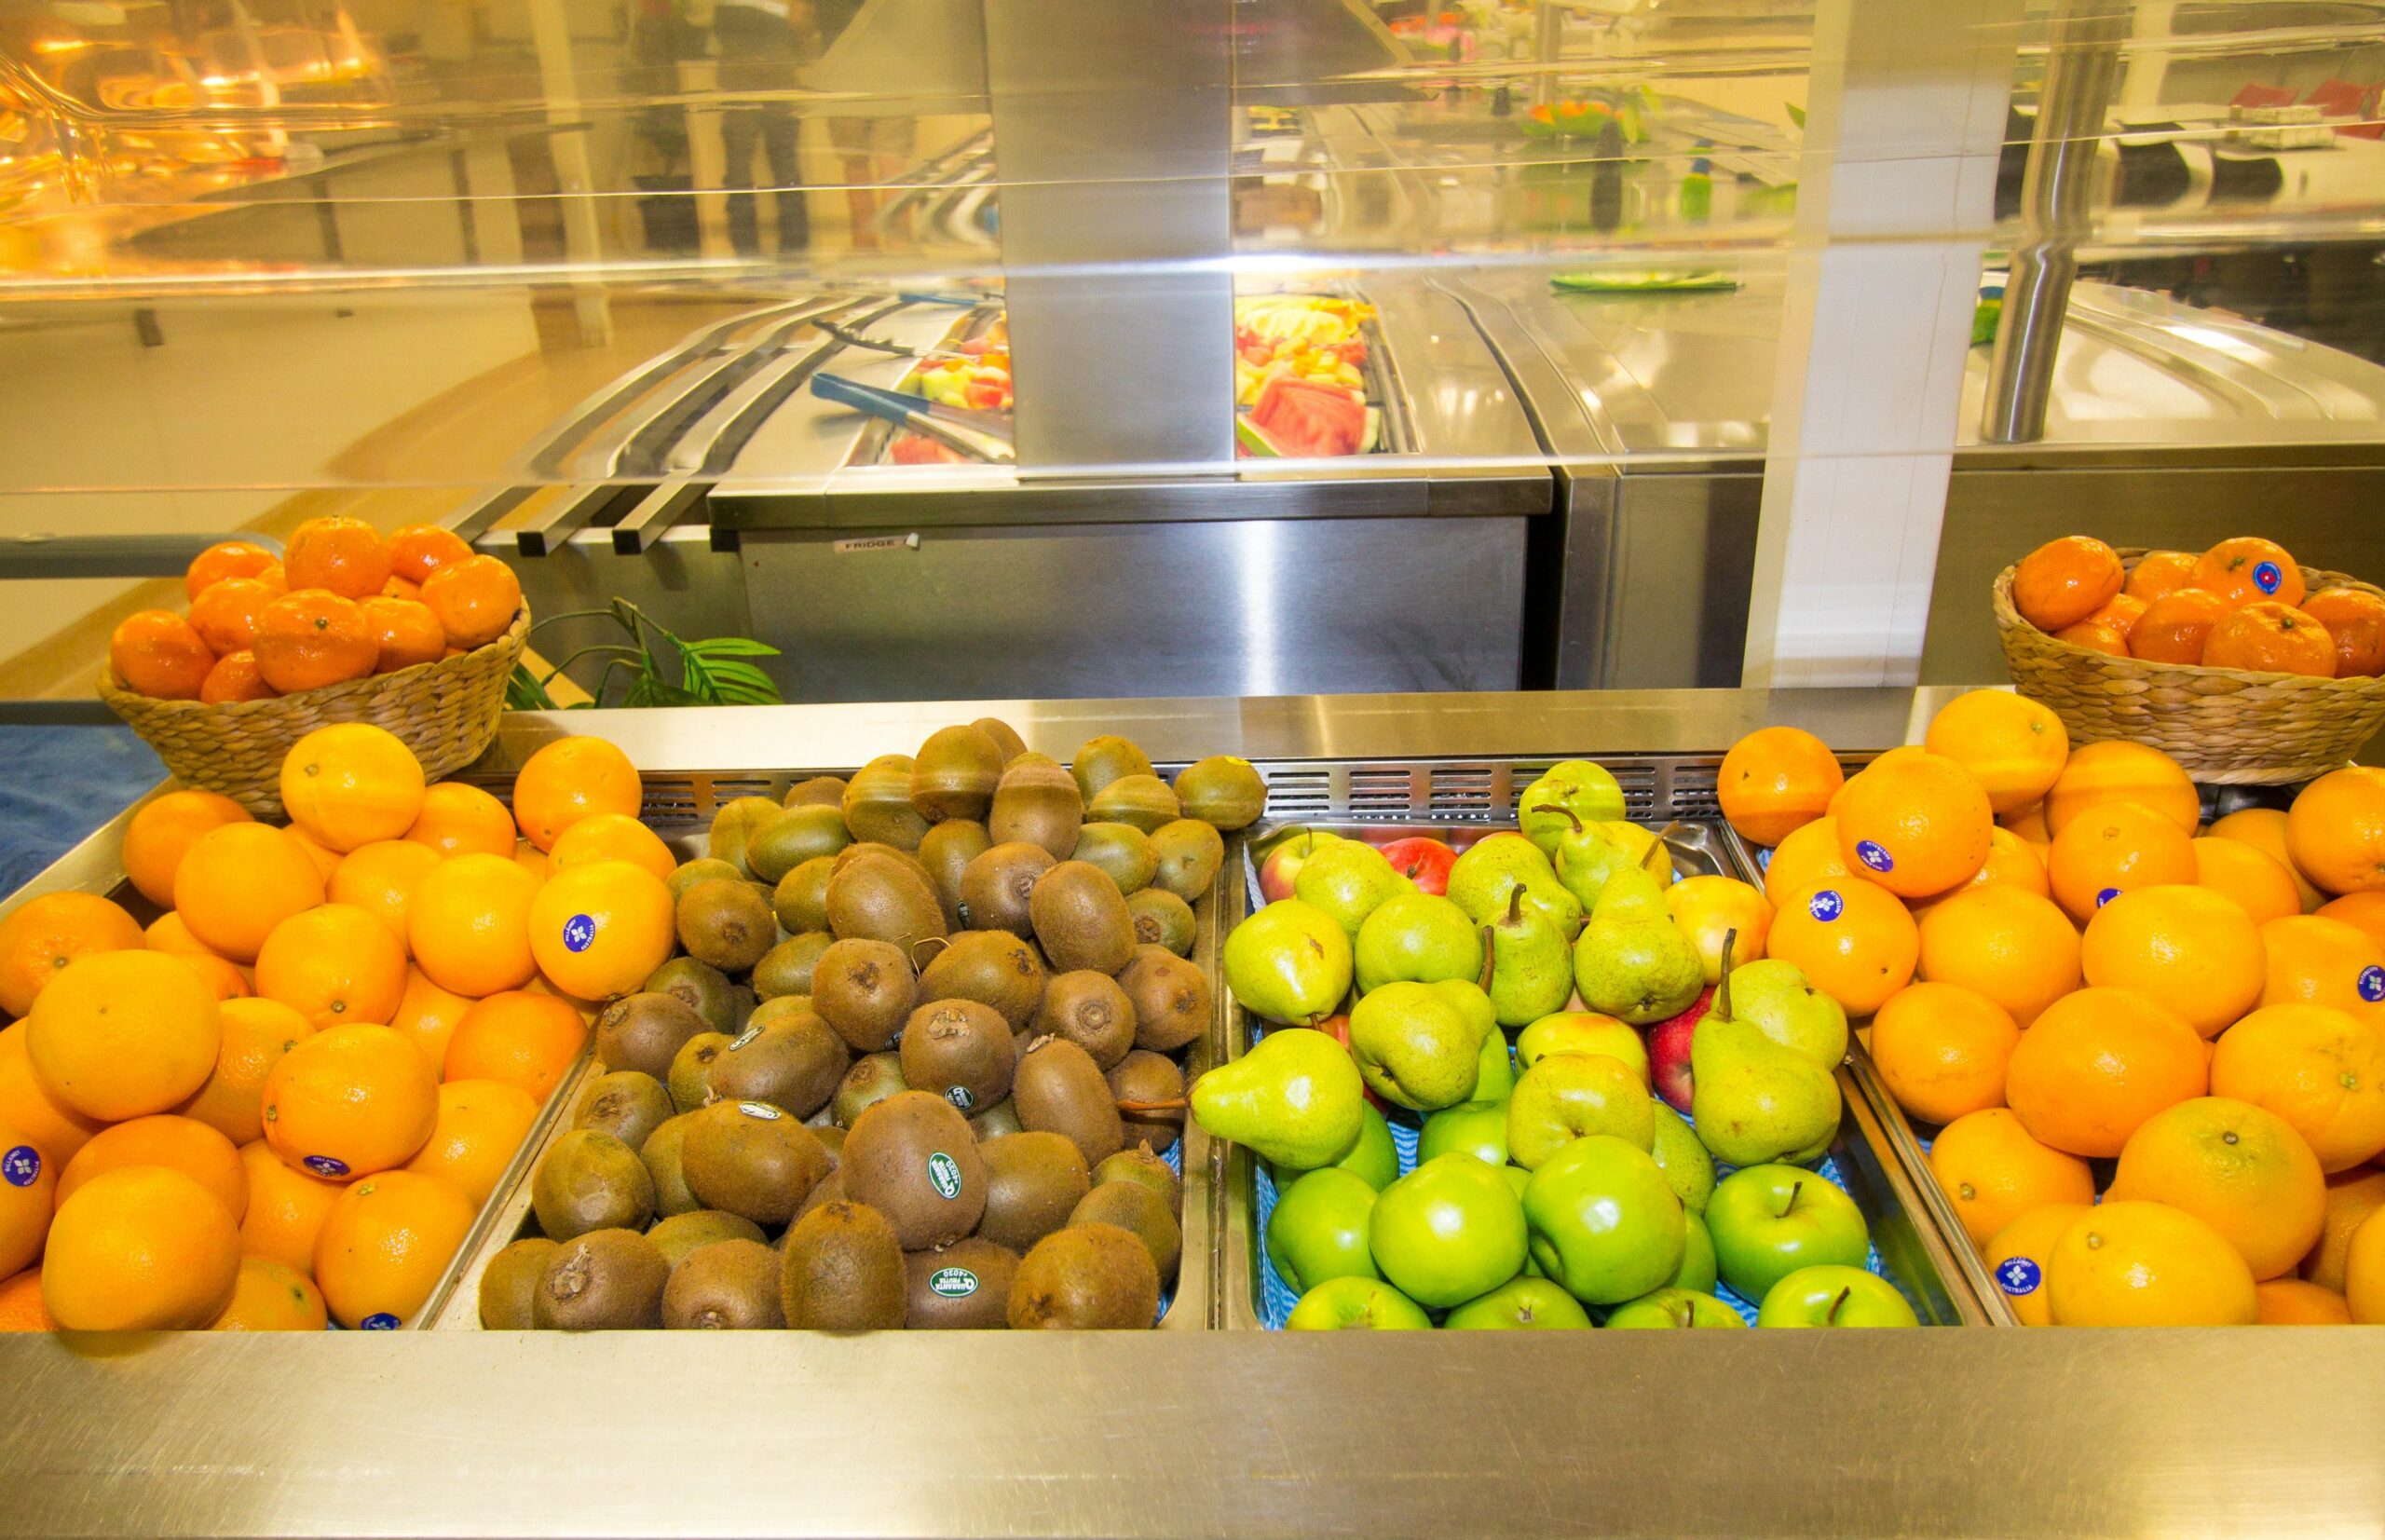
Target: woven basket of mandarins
[
  {"x": 2239, "y": 662},
  {"x": 412, "y": 633}
]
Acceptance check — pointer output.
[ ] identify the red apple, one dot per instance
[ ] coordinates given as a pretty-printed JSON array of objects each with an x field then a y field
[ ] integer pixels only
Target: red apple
[
  {"x": 1669, "y": 1052},
  {"x": 1283, "y": 863},
  {"x": 1338, "y": 1028},
  {"x": 1423, "y": 861}
]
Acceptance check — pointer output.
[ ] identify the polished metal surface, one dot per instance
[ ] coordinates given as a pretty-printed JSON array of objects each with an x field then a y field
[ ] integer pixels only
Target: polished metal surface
[{"x": 26, "y": 557}]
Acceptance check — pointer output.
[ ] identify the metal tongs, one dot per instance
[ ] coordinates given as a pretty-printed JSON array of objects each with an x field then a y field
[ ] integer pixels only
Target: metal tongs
[{"x": 985, "y": 435}]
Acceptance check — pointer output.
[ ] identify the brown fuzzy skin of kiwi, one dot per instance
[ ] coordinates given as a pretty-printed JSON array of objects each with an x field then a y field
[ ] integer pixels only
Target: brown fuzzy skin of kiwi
[
  {"x": 786, "y": 968},
  {"x": 729, "y": 1286},
  {"x": 1139, "y": 1164},
  {"x": 986, "y": 1307},
  {"x": 878, "y": 898},
  {"x": 1102, "y": 760},
  {"x": 1222, "y": 791},
  {"x": 954, "y": 773},
  {"x": 865, "y": 990},
  {"x": 842, "y": 1271},
  {"x": 751, "y": 1160},
  {"x": 828, "y": 790},
  {"x": 800, "y": 901},
  {"x": 996, "y": 886},
  {"x": 1133, "y": 1207},
  {"x": 726, "y": 924},
  {"x": 994, "y": 968},
  {"x": 1173, "y": 1001},
  {"x": 1005, "y": 737},
  {"x": 625, "y": 1104},
  {"x": 1033, "y": 1183},
  {"x": 1142, "y": 800},
  {"x": 699, "y": 986},
  {"x": 1000, "y": 1119},
  {"x": 960, "y": 1050},
  {"x": 873, "y": 1078},
  {"x": 1059, "y": 1090},
  {"x": 829, "y": 1189},
  {"x": 1145, "y": 1076},
  {"x": 589, "y": 1180},
  {"x": 1161, "y": 920},
  {"x": 1037, "y": 803},
  {"x": 1090, "y": 1010},
  {"x": 877, "y": 804},
  {"x": 682, "y": 1233},
  {"x": 509, "y": 1281},
  {"x": 896, "y": 1154},
  {"x": 946, "y": 850},
  {"x": 1190, "y": 853},
  {"x": 1123, "y": 850},
  {"x": 798, "y": 834},
  {"x": 607, "y": 1280},
  {"x": 793, "y": 1067},
  {"x": 1086, "y": 1277},
  {"x": 1081, "y": 918},
  {"x": 659, "y": 1155},
  {"x": 645, "y": 1031}
]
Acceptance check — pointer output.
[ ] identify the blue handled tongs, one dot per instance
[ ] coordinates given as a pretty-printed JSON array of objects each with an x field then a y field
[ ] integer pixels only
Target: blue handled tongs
[{"x": 985, "y": 435}]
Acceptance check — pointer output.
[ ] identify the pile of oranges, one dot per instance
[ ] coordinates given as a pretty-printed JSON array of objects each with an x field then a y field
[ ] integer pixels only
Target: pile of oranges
[
  {"x": 287, "y": 1095},
  {"x": 2063, "y": 967},
  {"x": 2242, "y": 605},
  {"x": 342, "y": 603}
]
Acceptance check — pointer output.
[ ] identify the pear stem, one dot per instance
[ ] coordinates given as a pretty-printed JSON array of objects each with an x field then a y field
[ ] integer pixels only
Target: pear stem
[
  {"x": 1723, "y": 990},
  {"x": 1515, "y": 905},
  {"x": 1657, "y": 845},
  {"x": 1570, "y": 816},
  {"x": 1490, "y": 956}
]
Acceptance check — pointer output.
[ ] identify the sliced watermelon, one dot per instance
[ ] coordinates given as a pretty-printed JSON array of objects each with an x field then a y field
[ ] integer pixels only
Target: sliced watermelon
[{"x": 1307, "y": 420}]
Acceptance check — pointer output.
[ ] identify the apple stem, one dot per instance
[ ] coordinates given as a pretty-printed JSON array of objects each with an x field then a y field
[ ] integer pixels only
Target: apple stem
[
  {"x": 1832, "y": 1315},
  {"x": 1570, "y": 816},
  {"x": 1490, "y": 955},
  {"x": 1723, "y": 990},
  {"x": 1794, "y": 1188}
]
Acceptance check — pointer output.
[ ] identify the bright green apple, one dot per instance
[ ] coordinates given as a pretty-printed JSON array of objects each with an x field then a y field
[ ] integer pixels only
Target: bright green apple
[
  {"x": 1318, "y": 1230},
  {"x": 1673, "y": 1307},
  {"x": 1582, "y": 1032},
  {"x": 1520, "y": 1303},
  {"x": 1356, "y": 1304},
  {"x": 1449, "y": 1230},
  {"x": 1830, "y": 1295},
  {"x": 1696, "y": 1268},
  {"x": 1770, "y": 1220},
  {"x": 1604, "y": 1222},
  {"x": 1476, "y": 1128},
  {"x": 1374, "y": 1159}
]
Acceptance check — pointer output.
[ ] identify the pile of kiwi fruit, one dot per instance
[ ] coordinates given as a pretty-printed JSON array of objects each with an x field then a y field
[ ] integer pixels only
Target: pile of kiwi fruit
[{"x": 920, "y": 1063}]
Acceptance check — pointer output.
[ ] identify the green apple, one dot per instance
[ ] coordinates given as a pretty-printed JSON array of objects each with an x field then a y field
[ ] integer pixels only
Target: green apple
[
  {"x": 1476, "y": 1128},
  {"x": 1785, "y": 1006},
  {"x": 1318, "y": 1230},
  {"x": 1494, "y": 1071},
  {"x": 1583, "y": 1032},
  {"x": 1770, "y": 1220},
  {"x": 1830, "y": 1295},
  {"x": 1349, "y": 881},
  {"x": 1673, "y": 1307},
  {"x": 1419, "y": 937},
  {"x": 1448, "y": 1231},
  {"x": 1520, "y": 1303},
  {"x": 1290, "y": 962},
  {"x": 1604, "y": 1222},
  {"x": 1686, "y": 1162},
  {"x": 1565, "y": 1096},
  {"x": 1696, "y": 1268},
  {"x": 1518, "y": 1179},
  {"x": 1356, "y": 1304},
  {"x": 1374, "y": 1159},
  {"x": 1415, "y": 1045}
]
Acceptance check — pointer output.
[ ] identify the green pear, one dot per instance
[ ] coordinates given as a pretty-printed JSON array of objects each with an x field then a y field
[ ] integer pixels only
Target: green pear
[
  {"x": 1585, "y": 792},
  {"x": 1348, "y": 880},
  {"x": 1290, "y": 962},
  {"x": 1784, "y": 1005},
  {"x": 1684, "y": 1162},
  {"x": 1415, "y": 1045},
  {"x": 1419, "y": 937},
  {"x": 1530, "y": 973},
  {"x": 1566, "y": 1096},
  {"x": 1373, "y": 1159},
  {"x": 1484, "y": 875},
  {"x": 1466, "y": 998},
  {"x": 1632, "y": 961},
  {"x": 1295, "y": 1099},
  {"x": 1754, "y": 1102},
  {"x": 1587, "y": 855}
]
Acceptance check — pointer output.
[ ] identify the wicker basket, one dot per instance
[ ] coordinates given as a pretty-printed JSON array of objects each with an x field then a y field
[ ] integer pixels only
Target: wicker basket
[
  {"x": 446, "y": 711},
  {"x": 2229, "y": 726}
]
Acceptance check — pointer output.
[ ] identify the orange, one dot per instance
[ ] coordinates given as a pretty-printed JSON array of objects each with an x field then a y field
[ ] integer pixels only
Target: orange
[
  {"x": 163, "y": 829},
  {"x": 2160, "y": 572},
  {"x": 528, "y": 1041},
  {"x": 531, "y": 859},
  {"x": 2175, "y": 627},
  {"x": 2318, "y": 1068},
  {"x": 1993, "y": 1171},
  {"x": 482, "y": 1123},
  {"x": 384, "y": 1244},
  {"x": 2147, "y": 1265},
  {"x": 2030, "y": 825},
  {"x": 2242, "y": 1171},
  {"x": 1941, "y": 1050},
  {"x": 406, "y": 588},
  {"x": 124, "y": 1035},
  {"x": 418, "y": 550},
  {"x": 2004, "y": 943},
  {"x": 2115, "y": 848},
  {"x": 2255, "y": 882},
  {"x": 2271, "y": 638},
  {"x": 2095, "y": 637},
  {"x": 380, "y": 879},
  {"x": 2189, "y": 949},
  {"x": 2013, "y": 746},
  {"x": 461, "y": 820},
  {"x": 2290, "y": 1301},
  {"x": 21, "y": 1306},
  {"x": 2365, "y": 1272},
  {"x": 571, "y": 779},
  {"x": 2363, "y": 910},
  {"x": 345, "y": 555},
  {"x": 28, "y": 1197},
  {"x": 2030, "y": 1240},
  {"x": 2013, "y": 862},
  {"x": 429, "y": 1014},
  {"x": 224, "y": 559},
  {"x": 326, "y": 860},
  {"x": 2119, "y": 613},
  {"x": 475, "y": 600},
  {"x": 2352, "y": 1196},
  {"x": 350, "y": 1101},
  {"x": 1807, "y": 857},
  {"x": 2098, "y": 1063},
  {"x": 31, "y": 1108},
  {"x": 236, "y": 883},
  {"x": 2248, "y": 571},
  {"x": 468, "y": 924},
  {"x": 2336, "y": 831},
  {"x": 1916, "y": 823},
  {"x": 158, "y": 654},
  {"x": 1775, "y": 779},
  {"x": 613, "y": 837},
  {"x": 140, "y": 1249},
  {"x": 407, "y": 631},
  {"x": 350, "y": 784},
  {"x": 2115, "y": 772},
  {"x": 2064, "y": 581},
  {"x": 2356, "y": 619},
  {"x": 225, "y": 980},
  {"x": 177, "y": 1143},
  {"x": 601, "y": 929},
  {"x": 336, "y": 964},
  {"x": 1854, "y": 942},
  {"x": 2264, "y": 829},
  {"x": 269, "y": 1296},
  {"x": 286, "y": 1209},
  {"x": 235, "y": 677},
  {"x": 42, "y": 936},
  {"x": 169, "y": 934},
  {"x": 312, "y": 638},
  {"x": 2325, "y": 961},
  {"x": 273, "y": 577},
  {"x": 256, "y": 1033}
]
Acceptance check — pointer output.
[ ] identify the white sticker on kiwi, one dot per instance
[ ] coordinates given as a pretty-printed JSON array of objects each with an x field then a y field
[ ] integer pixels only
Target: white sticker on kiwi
[
  {"x": 959, "y": 1096},
  {"x": 762, "y": 1110},
  {"x": 943, "y": 1175},
  {"x": 952, "y": 1283},
  {"x": 748, "y": 1035}
]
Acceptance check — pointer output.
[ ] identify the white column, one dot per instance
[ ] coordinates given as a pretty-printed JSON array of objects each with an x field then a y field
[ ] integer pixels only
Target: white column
[{"x": 582, "y": 242}]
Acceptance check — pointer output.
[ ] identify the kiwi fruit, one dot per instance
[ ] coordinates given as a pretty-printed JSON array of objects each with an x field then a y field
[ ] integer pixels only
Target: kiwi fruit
[
  {"x": 704, "y": 868},
  {"x": 863, "y": 849},
  {"x": 960, "y": 1050},
  {"x": 644, "y": 1032},
  {"x": 681, "y": 1234},
  {"x": 589, "y": 1180},
  {"x": 1135, "y": 1207},
  {"x": 1086, "y": 1277},
  {"x": 690, "y": 1077},
  {"x": 873, "y": 1078},
  {"x": 955, "y": 774},
  {"x": 865, "y": 990},
  {"x": 1037, "y": 803},
  {"x": 800, "y": 901},
  {"x": 913, "y": 1159},
  {"x": 1032, "y": 1183},
  {"x": 607, "y": 1280},
  {"x": 1090, "y": 1010},
  {"x": 726, "y": 924},
  {"x": 1171, "y": 998},
  {"x": 1146, "y": 1077},
  {"x": 1142, "y": 800},
  {"x": 1123, "y": 850},
  {"x": 1005, "y": 737},
  {"x": 1080, "y": 920},
  {"x": 742, "y": 1002},
  {"x": 793, "y": 1066},
  {"x": 659, "y": 1155},
  {"x": 627, "y": 1104},
  {"x": 1189, "y": 854},
  {"x": 831, "y": 1136},
  {"x": 509, "y": 1280},
  {"x": 995, "y": 886},
  {"x": 782, "y": 1011},
  {"x": 1161, "y": 920},
  {"x": 1059, "y": 1090},
  {"x": 880, "y": 899},
  {"x": 1104, "y": 759},
  {"x": 699, "y": 986},
  {"x": 1140, "y": 1165},
  {"x": 829, "y": 1189},
  {"x": 1222, "y": 791},
  {"x": 992, "y": 967},
  {"x": 785, "y": 969},
  {"x": 729, "y": 1286},
  {"x": 965, "y": 1287},
  {"x": 751, "y": 1159},
  {"x": 735, "y": 825},
  {"x": 877, "y": 804},
  {"x": 824, "y": 790},
  {"x": 794, "y": 837},
  {"x": 1000, "y": 1119},
  {"x": 842, "y": 1271},
  {"x": 946, "y": 850}
]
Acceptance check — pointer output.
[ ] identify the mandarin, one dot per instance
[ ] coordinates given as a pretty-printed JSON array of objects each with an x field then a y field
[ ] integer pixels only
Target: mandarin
[
  {"x": 2197, "y": 954},
  {"x": 2064, "y": 581},
  {"x": 1994, "y": 1171},
  {"x": 407, "y": 631},
  {"x": 1941, "y": 1050},
  {"x": 256, "y": 1033},
  {"x": 2096, "y": 1064},
  {"x": 2175, "y": 627},
  {"x": 40, "y": 938},
  {"x": 2335, "y": 830},
  {"x": 348, "y": 556},
  {"x": 144, "y": 1249},
  {"x": 526, "y": 1040},
  {"x": 2095, "y": 637},
  {"x": 1856, "y": 942},
  {"x": 571, "y": 779},
  {"x": 2319, "y": 1069},
  {"x": 2120, "y": 771},
  {"x": 2119, "y": 613},
  {"x": 2269, "y": 638},
  {"x": 2013, "y": 746},
  {"x": 1775, "y": 781},
  {"x": 2147, "y": 1265},
  {"x": 312, "y": 638},
  {"x": 475, "y": 600},
  {"x": 2160, "y": 572},
  {"x": 418, "y": 550},
  {"x": 2248, "y": 569},
  {"x": 235, "y": 677},
  {"x": 123, "y": 1034},
  {"x": 350, "y": 1101},
  {"x": 467, "y": 925},
  {"x": 223, "y": 560},
  {"x": 158, "y": 654},
  {"x": 225, "y": 616},
  {"x": 2241, "y": 1170},
  {"x": 237, "y": 882},
  {"x": 2115, "y": 848},
  {"x": 335, "y": 965},
  {"x": 2355, "y": 619}
]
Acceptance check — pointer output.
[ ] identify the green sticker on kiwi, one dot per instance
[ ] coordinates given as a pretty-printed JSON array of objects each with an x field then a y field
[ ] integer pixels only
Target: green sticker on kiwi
[
  {"x": 952, "y": 1283},
  {"x": 943, "y": 1175}
]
